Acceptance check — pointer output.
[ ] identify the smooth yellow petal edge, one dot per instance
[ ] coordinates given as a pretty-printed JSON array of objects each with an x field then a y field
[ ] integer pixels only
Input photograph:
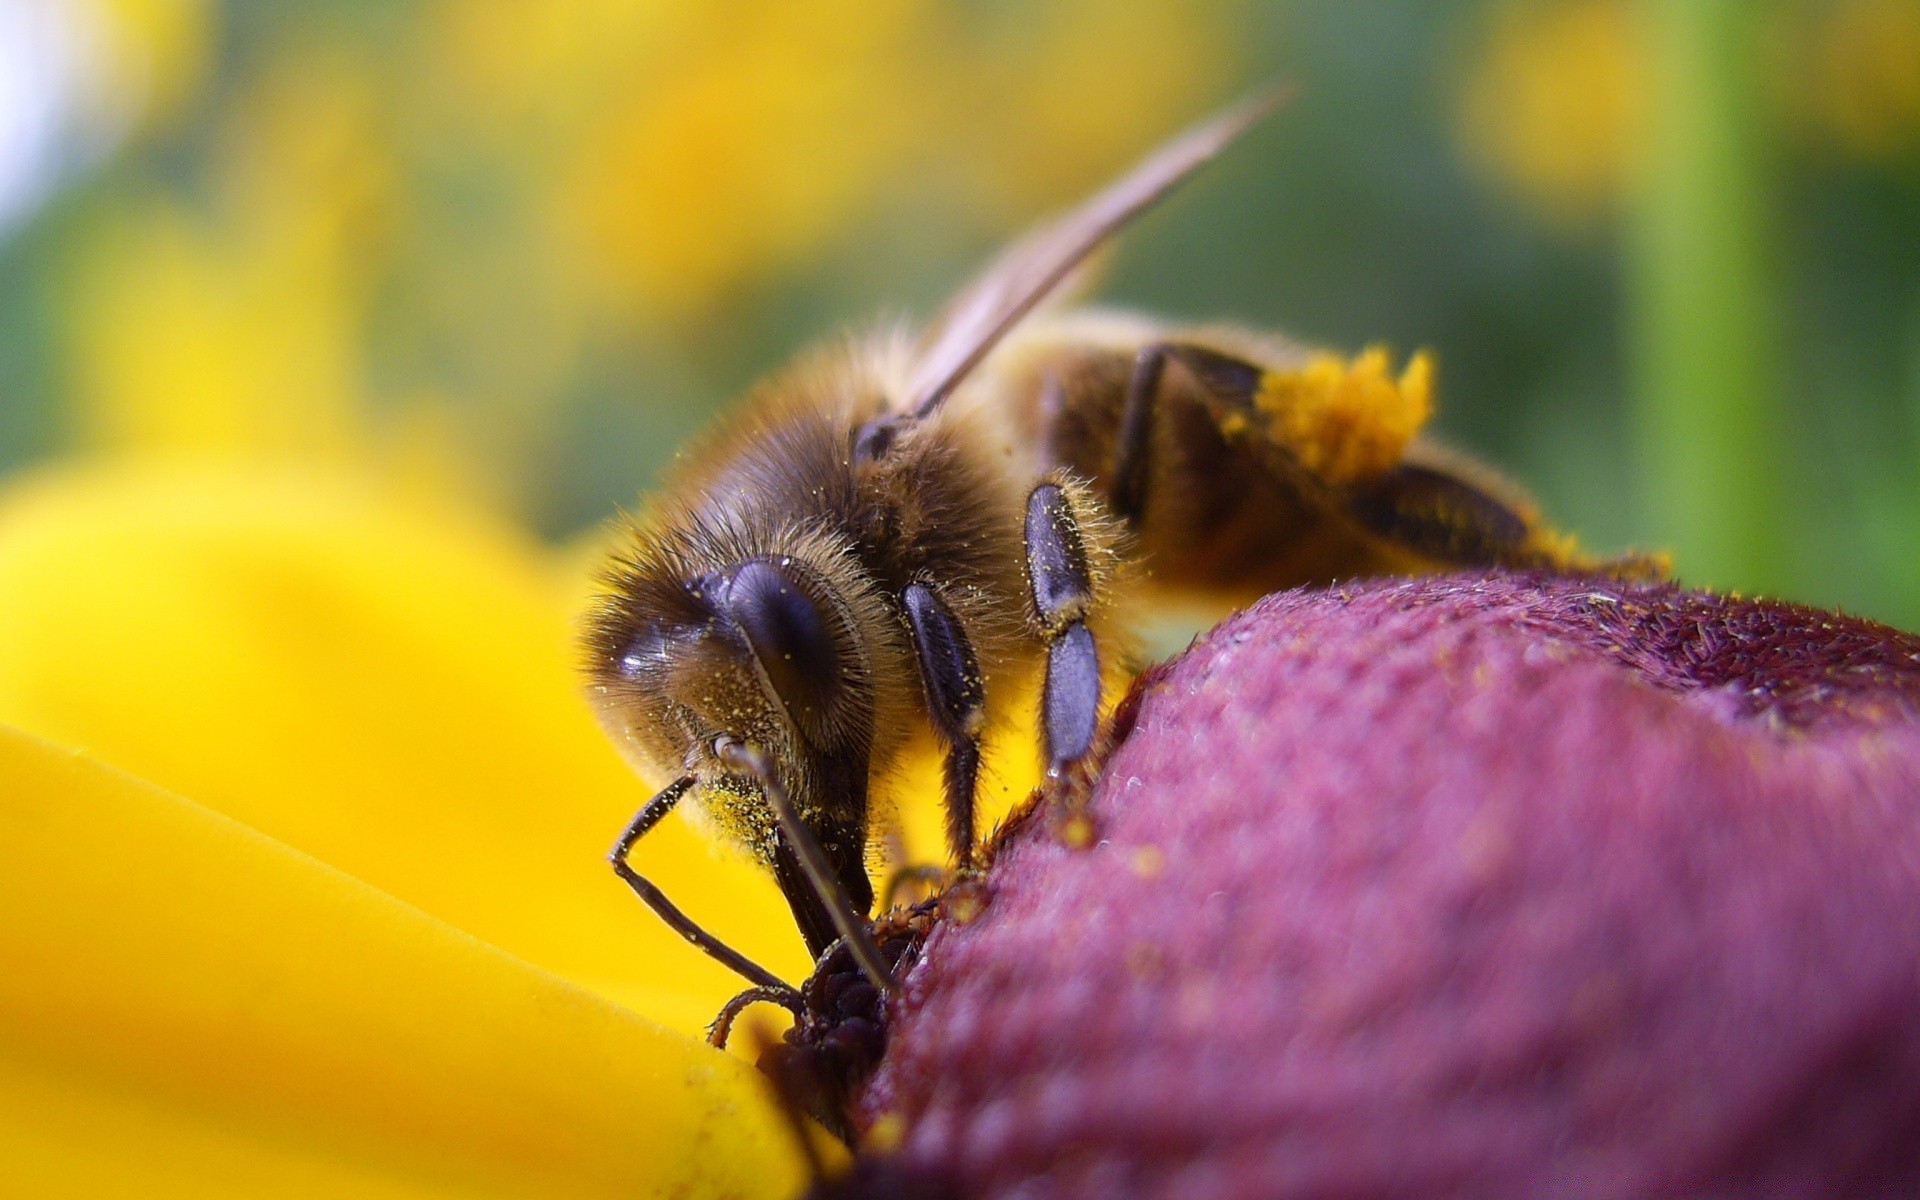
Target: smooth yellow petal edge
[{"x": 168, "y": 974}]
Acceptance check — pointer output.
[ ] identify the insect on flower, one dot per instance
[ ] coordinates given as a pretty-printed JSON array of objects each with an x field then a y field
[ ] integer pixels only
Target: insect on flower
[{"x": 900, "y": 532}]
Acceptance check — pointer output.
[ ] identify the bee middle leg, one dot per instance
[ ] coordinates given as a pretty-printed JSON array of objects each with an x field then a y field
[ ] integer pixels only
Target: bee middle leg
[
  {"x": 1060, "y": 580},
  {"x": 957, "y": 703}
]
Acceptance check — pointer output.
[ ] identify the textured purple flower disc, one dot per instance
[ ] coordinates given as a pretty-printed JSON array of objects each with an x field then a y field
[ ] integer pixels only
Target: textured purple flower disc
[{"x": 1482, "y": 887}]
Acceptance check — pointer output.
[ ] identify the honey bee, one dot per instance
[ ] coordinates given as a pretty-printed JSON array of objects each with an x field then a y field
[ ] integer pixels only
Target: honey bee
[{"x": 901, "y": 532}]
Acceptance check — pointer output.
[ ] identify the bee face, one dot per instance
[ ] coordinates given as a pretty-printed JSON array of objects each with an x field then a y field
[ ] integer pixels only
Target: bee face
[{"x": 762, "y": 650}]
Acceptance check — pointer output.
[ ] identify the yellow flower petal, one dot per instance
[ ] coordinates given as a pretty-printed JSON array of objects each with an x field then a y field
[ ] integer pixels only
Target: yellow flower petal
[
  {"x": 254, "y": 1021},
  {"x": 384, "y": 684}
]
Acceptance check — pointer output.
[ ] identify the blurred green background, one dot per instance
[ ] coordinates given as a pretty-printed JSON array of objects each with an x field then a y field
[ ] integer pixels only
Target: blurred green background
[{"x": 1667, "y": 251}]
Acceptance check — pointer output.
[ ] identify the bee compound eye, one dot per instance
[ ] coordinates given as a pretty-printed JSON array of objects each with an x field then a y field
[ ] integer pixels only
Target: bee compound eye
[
  {"x": 793, "y": 633},
  {"x": 644, "y": 656}
]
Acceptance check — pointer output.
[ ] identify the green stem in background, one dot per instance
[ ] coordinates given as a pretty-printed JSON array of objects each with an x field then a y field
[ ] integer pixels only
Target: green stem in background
[{"x": 1701, "y": 295}]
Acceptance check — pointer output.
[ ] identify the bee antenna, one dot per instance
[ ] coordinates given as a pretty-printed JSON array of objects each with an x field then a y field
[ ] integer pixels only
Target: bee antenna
[
  {"x": 1036, "y": 265},
  {"x": 813, "y": 863}
]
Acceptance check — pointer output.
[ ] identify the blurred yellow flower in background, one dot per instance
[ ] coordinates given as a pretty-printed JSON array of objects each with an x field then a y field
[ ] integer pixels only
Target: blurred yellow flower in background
[
  {"x": 461, "y": 204},
  {"x": 303, "y": 803},
  {"x": 325, "y": 309},
  {"x": 238, "y": 328},
  {"x": 731, "y": 161},
  {"x": 155, "y": 54},
  {"x": 1553, "y": 99},
  {"x": 1862, "y": 86},
  {"x": 1553, "y": 104},
  {"x": 364, "y": 941}
]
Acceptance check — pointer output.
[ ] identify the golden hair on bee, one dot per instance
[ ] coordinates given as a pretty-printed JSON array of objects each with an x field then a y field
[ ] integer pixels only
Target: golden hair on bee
[{"x": 900, "y": 533}]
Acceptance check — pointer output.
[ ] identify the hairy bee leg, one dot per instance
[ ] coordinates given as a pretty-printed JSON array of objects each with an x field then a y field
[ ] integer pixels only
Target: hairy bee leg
[
  {"x": 667, "y": 911},
  {"x": 1443, "y": 517},
  {"x": 721, "y": 1028},
  {"x": 1072, "y": 699},
  {"x": 1133, "y": 445},
  {"x": 957, "y": 703},
  {"x": 1061, "y": 584},
  {"x": 851, "y": 925}
]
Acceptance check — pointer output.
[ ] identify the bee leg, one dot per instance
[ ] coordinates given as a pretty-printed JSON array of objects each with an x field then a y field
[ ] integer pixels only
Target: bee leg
[
  {"x": 721, "y": 1028},
  {"x": 1224, "y": 380},
  {"x": 1060, "y": 581},
  {"x": 957, "y": 702},
  {"x": 667, "y": 911},
  {"x": 1453, "y": 515},
  {"x": 1443, "y": 517},
  {"x": 1133, "y": 443},
  {"x": 812, "y": 861}
]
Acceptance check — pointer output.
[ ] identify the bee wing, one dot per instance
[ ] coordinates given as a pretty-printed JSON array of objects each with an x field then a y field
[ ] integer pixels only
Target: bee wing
[{"x": 993, "y": 303}]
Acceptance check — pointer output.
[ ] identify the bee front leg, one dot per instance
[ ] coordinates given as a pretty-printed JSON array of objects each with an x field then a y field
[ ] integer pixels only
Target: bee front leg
[
  {"x": 720, "y": 1029},
  {"x": 957, "y": 703},
  {"x": 1061, "y": 582}
]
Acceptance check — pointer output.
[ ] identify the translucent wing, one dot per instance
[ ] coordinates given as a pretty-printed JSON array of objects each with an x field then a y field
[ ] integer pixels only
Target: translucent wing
[{"x": 982, "y": 313}]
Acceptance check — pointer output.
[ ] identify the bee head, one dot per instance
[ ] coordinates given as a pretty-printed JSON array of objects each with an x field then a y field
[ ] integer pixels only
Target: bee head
[{"x": 763, "y": 650}]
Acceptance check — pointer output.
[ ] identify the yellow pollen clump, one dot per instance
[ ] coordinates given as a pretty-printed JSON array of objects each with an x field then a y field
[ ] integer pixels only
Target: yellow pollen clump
[
  {"x": 1348, "y": 420},
  {"x": 1559, "y": 547}
]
